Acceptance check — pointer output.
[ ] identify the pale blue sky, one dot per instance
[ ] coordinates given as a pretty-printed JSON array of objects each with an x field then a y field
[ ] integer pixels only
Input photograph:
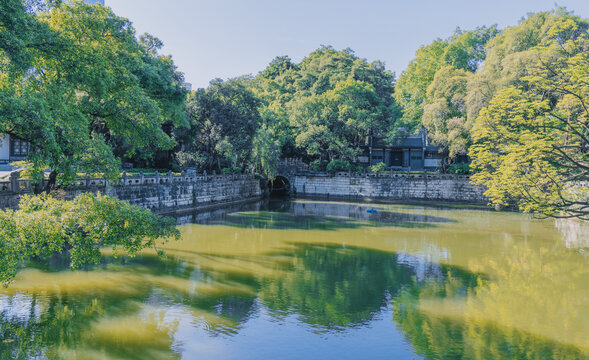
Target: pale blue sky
[{"x": 228, "y": 38}]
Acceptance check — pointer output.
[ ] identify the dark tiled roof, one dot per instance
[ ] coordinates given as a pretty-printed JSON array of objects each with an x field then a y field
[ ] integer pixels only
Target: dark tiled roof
[{"x": 414, "y": 141}]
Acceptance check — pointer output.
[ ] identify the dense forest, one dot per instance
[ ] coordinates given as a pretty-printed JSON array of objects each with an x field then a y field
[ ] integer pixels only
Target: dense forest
[{"x": 89, "y": 95}]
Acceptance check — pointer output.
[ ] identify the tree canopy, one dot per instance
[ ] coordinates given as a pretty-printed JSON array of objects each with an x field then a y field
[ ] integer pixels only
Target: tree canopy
[
  {"x": 326, "y": 105},
  {"x": 432, "y": 90},
  {"x": 45, "y": 225},
  {"x": 75, "y": 80},
  {"x": 531, "y": 143},
  {"x": 224, "y": 119}
]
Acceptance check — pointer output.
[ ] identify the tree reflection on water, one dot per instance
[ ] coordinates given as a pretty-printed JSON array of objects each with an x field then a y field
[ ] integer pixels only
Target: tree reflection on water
[{"x": 456, "y": 287}]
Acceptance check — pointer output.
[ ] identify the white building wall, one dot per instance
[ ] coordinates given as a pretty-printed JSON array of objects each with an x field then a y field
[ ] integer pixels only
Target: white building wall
[
  {"x": 433, "y": 163},
  {"x": 4, "y": 147}
]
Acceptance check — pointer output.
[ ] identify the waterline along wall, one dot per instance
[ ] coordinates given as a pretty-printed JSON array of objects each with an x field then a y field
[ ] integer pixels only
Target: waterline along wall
[
  {"x": 157, "y": 193},
  {"x": 391, "y": 186}
]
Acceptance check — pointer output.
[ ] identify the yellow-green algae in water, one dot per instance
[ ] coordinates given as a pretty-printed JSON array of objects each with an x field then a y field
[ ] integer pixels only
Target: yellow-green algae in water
[{"x": 456, "y": 283}]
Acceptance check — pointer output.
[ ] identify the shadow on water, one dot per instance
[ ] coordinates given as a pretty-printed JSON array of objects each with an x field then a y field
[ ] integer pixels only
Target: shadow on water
[{"x": 286, "y": 215}]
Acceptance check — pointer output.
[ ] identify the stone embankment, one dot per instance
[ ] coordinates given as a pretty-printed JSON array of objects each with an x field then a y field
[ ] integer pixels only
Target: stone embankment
[
  {"x": 157, "y": 193},
  {"x": 391, "y": 186},
  {"x": 166, "y": 193}
]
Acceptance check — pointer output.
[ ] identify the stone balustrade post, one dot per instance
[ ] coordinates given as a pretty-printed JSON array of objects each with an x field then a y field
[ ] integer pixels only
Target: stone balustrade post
[
  {"x": 124, "y": 178},
  {"x": 170, "y": 177},
  {"x": 14, "y": 182},
  {"x": 141, "y": 178},
  {"x": 157, "y": 177}
]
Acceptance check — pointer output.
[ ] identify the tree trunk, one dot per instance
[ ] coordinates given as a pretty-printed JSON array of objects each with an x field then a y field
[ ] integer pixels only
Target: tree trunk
[{"x": 51, "y": 184}]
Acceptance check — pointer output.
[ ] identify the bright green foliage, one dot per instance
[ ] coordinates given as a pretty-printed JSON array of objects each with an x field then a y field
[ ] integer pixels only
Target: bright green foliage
[
  {"x": 378, "y": 168},
  {"x": 326, "y": 105},
  {"x": 21, "y": 36},
  {"x": 433, "y": 88},
  {"x": 265, "y": 152},
  {"x": 531, "y": 143},
  {"x": 511, "y": 55},
  {"x": 340, "y": 99},
  {"x": 275, "y": 87},
  {"x": 44, "y": 226},
  {"x": 319, "y": 165},
  {"x": 162, "y": 82},
  {"x": 444, "y": 111},
  {"x": 76, "y": 82},
  {"x": 410, "y": 90},
  {"x": 335, "y": 123}
]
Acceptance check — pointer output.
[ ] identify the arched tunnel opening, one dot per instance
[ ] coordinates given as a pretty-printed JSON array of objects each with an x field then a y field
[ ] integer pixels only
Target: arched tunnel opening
[{"x": 280, "y": 186}]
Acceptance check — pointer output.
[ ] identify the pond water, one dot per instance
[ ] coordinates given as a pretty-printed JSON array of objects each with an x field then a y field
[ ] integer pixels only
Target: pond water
[{"x": 318, "y": 280}]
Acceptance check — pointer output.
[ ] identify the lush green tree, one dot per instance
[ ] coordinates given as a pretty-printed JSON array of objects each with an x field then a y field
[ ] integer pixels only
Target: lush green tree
[
  {"x": 225, "y": 119},
  {"x": 444, "y": 111},
  {"x": 531, "y": 143},
  {"x": 433, "y": 88},
  {"x": 335, "y": 123},
  {"x": 275, "y": 89},
  {"x": 511, "y": 55},
  {"x": 77, "y": 80},
  {"x": 265, "y": 152},
  {"x": 411, "y": 88},
  {"x": 21, "y": 36},
  {"x": 333, "y": 100},
  {"x": 44, "y": 225},
  {"x": 162, "y": 82}
]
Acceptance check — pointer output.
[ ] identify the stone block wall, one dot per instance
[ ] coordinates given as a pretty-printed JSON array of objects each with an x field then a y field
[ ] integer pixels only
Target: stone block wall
[
  {"x": 390, "y": 186},
  {"x": 158, "y": 193}
]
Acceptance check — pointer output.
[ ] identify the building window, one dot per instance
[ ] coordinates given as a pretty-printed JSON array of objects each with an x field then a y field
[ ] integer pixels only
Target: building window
[{"x": 19, "y": 147}]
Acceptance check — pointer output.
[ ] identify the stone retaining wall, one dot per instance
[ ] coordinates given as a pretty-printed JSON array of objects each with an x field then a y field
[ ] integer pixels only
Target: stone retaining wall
[
  {"x": 157, "y": 193},
  {"x": 391, "y": 186}
]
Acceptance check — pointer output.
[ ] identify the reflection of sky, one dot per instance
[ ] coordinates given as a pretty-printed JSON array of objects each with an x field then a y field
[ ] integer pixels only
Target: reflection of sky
[
  {"x": 424, "y": 267},
  {"x": 263, "y": 334},
  {"x": 19, "y": 307},
  {"x": 575, "y": 233}
]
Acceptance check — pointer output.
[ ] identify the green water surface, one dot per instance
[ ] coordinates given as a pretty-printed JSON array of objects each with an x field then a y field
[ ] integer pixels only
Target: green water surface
[{"x": 318, "y": 280}]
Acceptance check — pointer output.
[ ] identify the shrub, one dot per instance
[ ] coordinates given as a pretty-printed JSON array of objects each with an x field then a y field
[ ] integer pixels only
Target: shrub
[
  {"x": 459, "y": 168},
  {"x": 378, "y": 168},
  {"x": 337, "y": 165},
  {"x": 231, "y": 170},
  {"x": 318, "y": 165},
  {"x": 358, "y": 168}
]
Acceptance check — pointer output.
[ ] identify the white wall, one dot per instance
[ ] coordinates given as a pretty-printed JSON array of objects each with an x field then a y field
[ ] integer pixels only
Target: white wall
[
  {"x": 4, "y": 147},
  {"x": 434, "y": 163}
]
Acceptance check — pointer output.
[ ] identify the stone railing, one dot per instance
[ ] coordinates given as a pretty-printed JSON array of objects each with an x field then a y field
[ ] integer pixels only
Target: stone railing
[
  {"x": 290, "y": 166},
  {"x": 17, "y": 185},
  {"x": 391, "y": 174}
]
